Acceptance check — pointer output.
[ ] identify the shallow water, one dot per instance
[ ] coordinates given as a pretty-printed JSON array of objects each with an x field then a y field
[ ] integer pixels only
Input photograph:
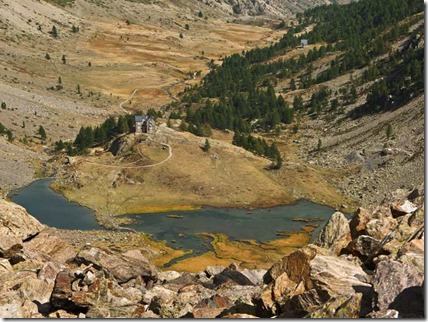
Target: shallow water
[
  {"x": 261, "y": 225},
  {"x": 238, "y": 224}
]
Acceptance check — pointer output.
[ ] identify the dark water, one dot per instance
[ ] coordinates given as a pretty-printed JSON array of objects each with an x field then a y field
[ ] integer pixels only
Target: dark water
[
  {"x": 261, "y": 225},
  {"x": 53, "y": 209}
]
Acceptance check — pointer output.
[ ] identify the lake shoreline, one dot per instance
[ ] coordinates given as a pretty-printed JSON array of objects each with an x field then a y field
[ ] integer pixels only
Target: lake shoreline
[{"x": 236, "y": 231}]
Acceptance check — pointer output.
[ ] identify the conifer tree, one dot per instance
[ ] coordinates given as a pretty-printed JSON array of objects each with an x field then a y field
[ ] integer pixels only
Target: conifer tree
[{"x": 42, "y": 132}]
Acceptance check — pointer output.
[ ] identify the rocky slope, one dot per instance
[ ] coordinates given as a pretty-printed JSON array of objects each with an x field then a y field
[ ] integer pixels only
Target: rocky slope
[{"x": 369, "y": 266}]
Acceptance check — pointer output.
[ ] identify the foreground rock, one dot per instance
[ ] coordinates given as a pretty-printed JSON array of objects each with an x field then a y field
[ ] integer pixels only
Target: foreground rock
[{"x": 370, "y": 266}]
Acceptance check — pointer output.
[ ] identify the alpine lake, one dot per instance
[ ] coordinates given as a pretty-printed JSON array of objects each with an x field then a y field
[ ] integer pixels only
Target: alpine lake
[{"x": 190, "y": 231}]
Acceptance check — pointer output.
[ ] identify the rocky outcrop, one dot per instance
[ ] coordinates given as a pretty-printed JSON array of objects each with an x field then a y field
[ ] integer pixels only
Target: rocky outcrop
[
  {"x": 16, "y": 226},
  {"x": 370, "y": 266},
  {"x": 336, "y": 234}
]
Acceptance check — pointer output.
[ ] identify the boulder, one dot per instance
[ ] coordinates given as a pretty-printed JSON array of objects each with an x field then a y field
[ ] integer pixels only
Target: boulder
[
  {"x": 46, "y": 248},
  {"x": 398, "y": 286},
  {"x": 298, "y": 306},
  {"x": 296, "y": 266},
  {"x": 210, "y": 308},
  {"x": 5, "y": 266},
  {"x": 341, "y": 307},
  {"x": 355, "y": 156},
  {"x": 16, "y": 225},
  {"x": 417, "y": 219},
  {"x": 122, "y": 266},
  {"x": 239, "y": 316},
  {"x": 17, "y": 309},
  {"x": 36, "y": 290},
  {"x": 310, "y": 277},
  {"x": 385, "y": 314},
  {"x": 379, "y": 228},
  {"x": 214, "y": 270},
  {"x": 167, "y": 276},
  {"x": 416, "y": 192},
  {"x": 48, "y": 272},
  {"x": 188, "y": 297},
  {"x": 61, "y": 314},
  {"x": 336, "y": 234},
  {"x": 333, "y": 276},
  {"x": 255, "y": 275},
  {"x": 232, "y": 276},
  {"x": 363, "y": 246},
  {"x": 359, "y": 221},
  {"x": 62, "y": 292},
  {"x": 400, "y": 208},
  {"x": 185, "y": 279}
]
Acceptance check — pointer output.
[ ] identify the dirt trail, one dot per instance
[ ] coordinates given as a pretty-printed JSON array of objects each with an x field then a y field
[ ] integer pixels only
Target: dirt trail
[
  {"x": 127, "y": 100},
  {"x": 170, "y": 153}
]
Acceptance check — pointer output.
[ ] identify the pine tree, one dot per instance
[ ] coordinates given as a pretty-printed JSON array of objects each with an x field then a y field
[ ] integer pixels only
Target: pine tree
[
  {"x": 122, "y": 125},
  {"x": 54, "y": 32},
  {"x": 292, "y": 84},
  {"x": 64, "y": 60},
  {"x": 42, "y": 132},
  {"x": 319, "y": 145},
  {"x": 207, "y": 146},
  {"x": 389, "y": 131}
]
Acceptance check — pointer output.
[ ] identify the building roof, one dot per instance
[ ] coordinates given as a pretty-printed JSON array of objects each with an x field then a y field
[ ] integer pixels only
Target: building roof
[{"x": 139, "y": 118}]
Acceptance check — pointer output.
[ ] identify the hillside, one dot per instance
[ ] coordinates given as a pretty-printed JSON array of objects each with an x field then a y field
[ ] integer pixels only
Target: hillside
[
  {"x": 350, "y": 101},
  {"x": 97, "y": 51}
]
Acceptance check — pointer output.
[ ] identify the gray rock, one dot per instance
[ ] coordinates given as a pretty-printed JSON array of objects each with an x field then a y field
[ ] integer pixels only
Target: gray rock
[
  {"x": 16, "y": 225},
  {"x": 214, "y": 270},
  {"x": 123, "y": 266},
  {"x": 386, "y": 314},
  {"x": 255, "y": 276},
  {"x": 336, "y": 234},
  {"x": 341, "y": 307},
  {"x": 231, "y": 276},
  {"x": 167, "y": 276},
  {"x": 398, "y": 286},
  {"x": 363, "y": 246},
  {"x": 49, "y": 272},
  {"x": 355, "y": 156}
]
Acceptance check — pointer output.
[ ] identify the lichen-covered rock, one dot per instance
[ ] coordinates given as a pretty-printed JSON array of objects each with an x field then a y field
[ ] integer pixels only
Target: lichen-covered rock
[
  {"x": 341, "y": 307},
  {"x": 398, "y": 286},
  {"x": 336, "y": 234}
]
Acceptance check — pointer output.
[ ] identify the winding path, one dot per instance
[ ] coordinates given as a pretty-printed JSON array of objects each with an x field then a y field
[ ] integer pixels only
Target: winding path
[
  {"x": 127, "y": 100},
  {"x": 137, "y": 166}
]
